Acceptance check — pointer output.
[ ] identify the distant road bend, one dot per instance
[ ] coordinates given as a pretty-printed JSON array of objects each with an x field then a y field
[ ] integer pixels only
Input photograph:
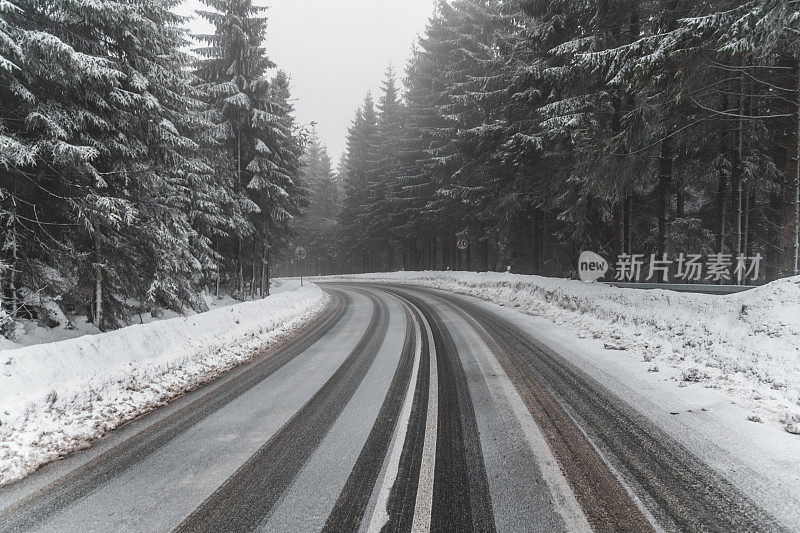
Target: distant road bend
[{"x": 400, "y": 409}]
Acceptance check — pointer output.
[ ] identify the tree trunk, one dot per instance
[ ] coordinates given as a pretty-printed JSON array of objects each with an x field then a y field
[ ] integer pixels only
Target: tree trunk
[
  {"x": 14, "y": 255},
  {"x": 680, "y": 199},
  {"x": 534, "y": 242},
  {"x": 261, "y": 280},
  {"x": 626, "y": 240},
  {"x": 722, "y": 184},
  {"x": 665, "y": 159},
  {"x": 736, "y": 174},
  {"x": 545, "y": 240},
  {"x": 792, "y": 192},
  {"x": 745, "y": 225},
  {"x": 239, "y": 267},
  {"x": 253, "y": 269},
  {"x": 98, "y": 282},
  {"x": 628, "y": 208},
  {"x": 776, "y": 251},
  {"x": 432, "y": 245},
  {"x": 751, "y": 226},
  {"x": 267, "y": 272},
  {"x": 618, "y": 223},
  {"x": 664, "y": 178},
  {"x": 218, "y": 271}
]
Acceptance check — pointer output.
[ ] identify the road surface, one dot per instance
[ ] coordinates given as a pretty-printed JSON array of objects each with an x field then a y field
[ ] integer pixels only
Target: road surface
[{"x": 400, "y": 409}]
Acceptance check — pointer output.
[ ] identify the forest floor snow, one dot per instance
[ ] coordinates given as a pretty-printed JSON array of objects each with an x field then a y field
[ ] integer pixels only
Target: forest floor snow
[
  {"x": 58, "y": 397},
  {"x": 745, "y": 345}
]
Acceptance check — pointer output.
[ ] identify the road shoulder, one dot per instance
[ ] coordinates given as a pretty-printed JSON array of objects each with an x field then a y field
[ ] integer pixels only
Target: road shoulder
[{"x": 758, "y": 459}]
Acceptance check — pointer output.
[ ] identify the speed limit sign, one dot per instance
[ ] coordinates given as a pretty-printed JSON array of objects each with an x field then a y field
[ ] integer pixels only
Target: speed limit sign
[{"x": 462, "y": 243}]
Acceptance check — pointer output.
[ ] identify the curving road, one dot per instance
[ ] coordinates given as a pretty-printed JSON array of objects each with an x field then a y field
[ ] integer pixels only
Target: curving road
[{"x": 400, "y": 409}]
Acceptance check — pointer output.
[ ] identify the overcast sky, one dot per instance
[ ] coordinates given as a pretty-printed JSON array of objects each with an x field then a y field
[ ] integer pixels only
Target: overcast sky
[{"x": 335, "y": 51}]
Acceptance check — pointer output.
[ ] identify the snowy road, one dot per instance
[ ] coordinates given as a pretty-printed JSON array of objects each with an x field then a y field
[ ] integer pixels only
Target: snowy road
[{"x": 403, "y": 409}]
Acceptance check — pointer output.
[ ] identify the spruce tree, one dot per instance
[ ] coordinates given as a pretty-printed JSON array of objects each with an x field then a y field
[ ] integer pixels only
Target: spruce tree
[
  {"x": 382, "y": 157},
  {"x": 65, "y": 102},
  {"x": 102, "y": 101},
  {"x": 253, "y": 126},
  {"x": 317, "y": 229},
  {"x": 415, "y": 187},
  {"x": 276, "y": 184},
  {"x": 359, "y": 166}
]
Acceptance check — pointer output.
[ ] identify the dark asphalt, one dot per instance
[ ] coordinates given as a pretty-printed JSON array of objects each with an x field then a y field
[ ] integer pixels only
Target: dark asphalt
[
  {"x": 360, "y": 379},
  {"x": 31, "y": 511},
  {"x": 581, "y": 420}
]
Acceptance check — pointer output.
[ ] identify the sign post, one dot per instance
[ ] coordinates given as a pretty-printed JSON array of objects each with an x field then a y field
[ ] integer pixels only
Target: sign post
[
  {"x": 300, "y": 254},
  {"x": 462, "y": 243}
]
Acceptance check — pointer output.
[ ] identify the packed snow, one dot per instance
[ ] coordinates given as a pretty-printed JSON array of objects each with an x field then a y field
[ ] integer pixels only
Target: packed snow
[
  {"x": 746, "y": 344},
  {"x": 58, "y": 397}
]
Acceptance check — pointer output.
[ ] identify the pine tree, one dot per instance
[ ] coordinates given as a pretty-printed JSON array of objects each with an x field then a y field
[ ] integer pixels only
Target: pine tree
[
  {"x": 381, "y": 157},
  {"x": 474, "y": 104},
  {"x": 103, "y": 105},
  {"x": 64, "y": 103},
  {"x": 763, "y": 30},
  {"x": 170, "y": 173},
  {"x": 149, "y": 164},
  {"x": 619, "y": 126},
  {"x": 415, "y": 188},
  {"x": 12, "y": 153},
  {"x": 317, "y": 228},
  {"x": 276, "y": 185},
  {"x": 359, "y": 165},
  {"x": 10, "y": 51},
  {"x": 253, "y": 126}
]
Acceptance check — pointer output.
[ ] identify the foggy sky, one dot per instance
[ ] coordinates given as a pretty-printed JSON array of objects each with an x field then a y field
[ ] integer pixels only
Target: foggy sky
[{"x": 335, "y": 51}]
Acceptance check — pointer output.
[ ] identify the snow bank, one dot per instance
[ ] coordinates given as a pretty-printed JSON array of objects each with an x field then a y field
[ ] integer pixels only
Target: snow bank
[
  {"x": 58, "y": 397},
  {"x": 30, "y": 332},
  {"x": 747, "y": 344}
]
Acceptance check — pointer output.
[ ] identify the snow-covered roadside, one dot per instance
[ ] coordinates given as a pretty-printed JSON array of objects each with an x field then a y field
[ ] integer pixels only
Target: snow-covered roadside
[
  {"x": 57, "y": 397},
  {"x": 762, "y": 460},
  {"x": 30, "y": 332},
  {"x": 746, "y": 345}
]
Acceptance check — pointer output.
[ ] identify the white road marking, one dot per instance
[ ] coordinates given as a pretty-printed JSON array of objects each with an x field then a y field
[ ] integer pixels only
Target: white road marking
[
  {"x": 424, "y": 505},
  {"x": 381, "y": 513}
]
